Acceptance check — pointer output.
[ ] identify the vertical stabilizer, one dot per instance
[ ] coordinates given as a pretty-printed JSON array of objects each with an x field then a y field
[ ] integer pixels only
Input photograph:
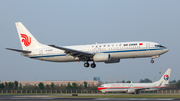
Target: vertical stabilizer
[
  {"x": 27, "y": 40},
  {"x": 165, "y": 78}
]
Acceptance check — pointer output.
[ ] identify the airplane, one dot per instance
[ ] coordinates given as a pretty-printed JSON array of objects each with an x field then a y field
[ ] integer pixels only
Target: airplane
[
  {"x": 105, "y": 52},
  {"x": 134, "y": 88}
]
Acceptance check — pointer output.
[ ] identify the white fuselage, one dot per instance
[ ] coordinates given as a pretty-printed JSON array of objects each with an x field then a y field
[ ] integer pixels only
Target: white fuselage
[
  {"x": 135, "y": 87},
  {"x": 116, "y": 50},
  {"x": 124, "y": 87}
]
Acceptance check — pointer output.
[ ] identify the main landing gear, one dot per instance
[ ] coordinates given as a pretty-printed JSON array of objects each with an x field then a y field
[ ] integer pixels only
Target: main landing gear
[
  {"x": 93, "y": 65},
  {"x": 86, "y": 64}
]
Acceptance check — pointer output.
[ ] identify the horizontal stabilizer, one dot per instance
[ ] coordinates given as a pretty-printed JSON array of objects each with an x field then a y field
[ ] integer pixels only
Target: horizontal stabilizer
[{"x": 23, "y": 51}]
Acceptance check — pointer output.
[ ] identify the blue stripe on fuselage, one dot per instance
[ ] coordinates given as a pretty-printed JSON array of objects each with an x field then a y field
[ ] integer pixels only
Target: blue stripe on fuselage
[
  {"x": 48, "y": 56},
  {"x": 130, "y": 50},
  {"x": 103, "y": 52}
]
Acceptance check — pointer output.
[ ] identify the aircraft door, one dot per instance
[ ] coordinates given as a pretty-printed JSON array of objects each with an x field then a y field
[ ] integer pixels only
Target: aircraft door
[
  {"x": 148, "y": 46},
  {"x": 131, "y": 85},
  {"x": 97, "y": 49},
  {"x": 41, "y": 53}
]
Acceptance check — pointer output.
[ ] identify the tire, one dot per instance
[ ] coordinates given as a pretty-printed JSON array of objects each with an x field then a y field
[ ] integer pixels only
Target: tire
[
  {"x": 93, "y": 65},
  {"x": 86, "y": 64}
]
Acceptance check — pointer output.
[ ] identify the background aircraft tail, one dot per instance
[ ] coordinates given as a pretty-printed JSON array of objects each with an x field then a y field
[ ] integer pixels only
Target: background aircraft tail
[
  {"x": 165, "y": 78},
  {"x": 27, "y": 40}
]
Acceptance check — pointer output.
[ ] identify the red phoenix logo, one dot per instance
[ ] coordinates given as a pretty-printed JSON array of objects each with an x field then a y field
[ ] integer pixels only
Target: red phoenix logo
[{"x": 26, "y": 39}]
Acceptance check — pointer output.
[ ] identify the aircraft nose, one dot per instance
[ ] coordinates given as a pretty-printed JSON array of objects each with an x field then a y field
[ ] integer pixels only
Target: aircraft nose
[
  {"x": 98, "y": 88},
  {"x": 165, "y": 50}
]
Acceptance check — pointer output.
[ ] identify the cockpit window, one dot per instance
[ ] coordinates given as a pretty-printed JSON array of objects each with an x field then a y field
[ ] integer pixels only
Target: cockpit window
[{"x": 159, "y": 46}]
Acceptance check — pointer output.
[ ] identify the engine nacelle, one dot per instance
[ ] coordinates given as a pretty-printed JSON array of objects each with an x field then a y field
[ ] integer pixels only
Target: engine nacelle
[
  {"x": 102, "y": 57},
  {"x": 113, "y": 61},
  {"x": 130, "y": 91}
]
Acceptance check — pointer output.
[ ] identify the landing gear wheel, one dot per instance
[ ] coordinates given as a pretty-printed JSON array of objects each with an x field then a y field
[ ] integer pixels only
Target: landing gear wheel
[
  {"x": 86, "y": 64},
  {"x": 93, "y": 65},
  {"x": 137, "y": 92},
  {"x": 152, "y": 61}
]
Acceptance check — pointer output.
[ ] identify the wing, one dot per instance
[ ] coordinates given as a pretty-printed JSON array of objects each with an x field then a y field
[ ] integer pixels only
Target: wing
[
  {"x": 75, "y": 53},
  {"x": 143, "y": 88},
  {"x": 17, "y": 50}
]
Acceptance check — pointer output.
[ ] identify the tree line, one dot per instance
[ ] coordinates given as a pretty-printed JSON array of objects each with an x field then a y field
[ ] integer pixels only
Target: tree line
[{"x": 18, "y": 86}]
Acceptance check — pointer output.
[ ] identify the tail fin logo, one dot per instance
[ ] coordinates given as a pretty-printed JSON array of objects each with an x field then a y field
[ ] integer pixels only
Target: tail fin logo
[
  {"x": 166, "y": 77},
  {"x": 26, "y": 39}
]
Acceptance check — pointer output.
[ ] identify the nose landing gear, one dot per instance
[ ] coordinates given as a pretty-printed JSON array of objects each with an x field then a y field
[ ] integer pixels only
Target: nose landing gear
[{"x": 152, "y": 61}]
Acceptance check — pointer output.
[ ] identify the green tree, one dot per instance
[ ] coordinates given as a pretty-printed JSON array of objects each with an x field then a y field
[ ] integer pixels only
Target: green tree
[
  {"x": 123, "y": 81},
  {"x": 85, "y": 84},
  {"x": 69, "y": 86},
  {"x": 41, "y": 85},
  {"x": 2, "y": 86},
  {"x": 47, "y": 86},
  {"x": 178, "y": 84},
  {"x": 52, "y": 85},
  {"x": 128, "y": 81},
  {"x": 16, "y": 84},
  {"x": 20, "y": 86},
  {"x": 173, "y": 81},
  {"x": 6, "y": 85},
  {"x": 145, "y": 81},
  {"x": 10, "y": 85},
  {"x": 74, "y": 85},
  {"x": 80, "y": 86}
]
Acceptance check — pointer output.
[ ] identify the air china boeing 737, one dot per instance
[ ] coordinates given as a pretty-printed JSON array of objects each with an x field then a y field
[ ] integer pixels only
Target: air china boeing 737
[
  {"x": 135, "y": 87},
  {"x": 106, "y": 52}
]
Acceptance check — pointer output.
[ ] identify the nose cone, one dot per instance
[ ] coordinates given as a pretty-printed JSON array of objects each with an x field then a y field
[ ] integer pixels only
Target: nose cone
[
  {"x": 165, "y": 50},
  {"x": 101, "y": 88},
  {"x": 98, "y": 88}
]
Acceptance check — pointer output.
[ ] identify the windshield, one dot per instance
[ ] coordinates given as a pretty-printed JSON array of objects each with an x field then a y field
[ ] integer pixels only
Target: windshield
[{"x": 160, "y": 46}]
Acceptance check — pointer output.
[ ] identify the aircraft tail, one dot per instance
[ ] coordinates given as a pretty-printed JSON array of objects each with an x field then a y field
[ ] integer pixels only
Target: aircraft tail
[
  {"x": 165, "y": 78},
  {"x": 27, "y": 40}
]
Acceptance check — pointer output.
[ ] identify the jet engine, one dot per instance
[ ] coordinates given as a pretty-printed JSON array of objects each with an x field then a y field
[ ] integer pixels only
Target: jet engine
[
  {"x": 113, "y": 61},
  {"x": 130, "y": 91},
  {"x": 102, "y": 57}
]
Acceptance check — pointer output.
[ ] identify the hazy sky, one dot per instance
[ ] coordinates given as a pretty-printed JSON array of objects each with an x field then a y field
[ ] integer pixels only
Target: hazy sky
[{"x": 74, "y": 22}]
